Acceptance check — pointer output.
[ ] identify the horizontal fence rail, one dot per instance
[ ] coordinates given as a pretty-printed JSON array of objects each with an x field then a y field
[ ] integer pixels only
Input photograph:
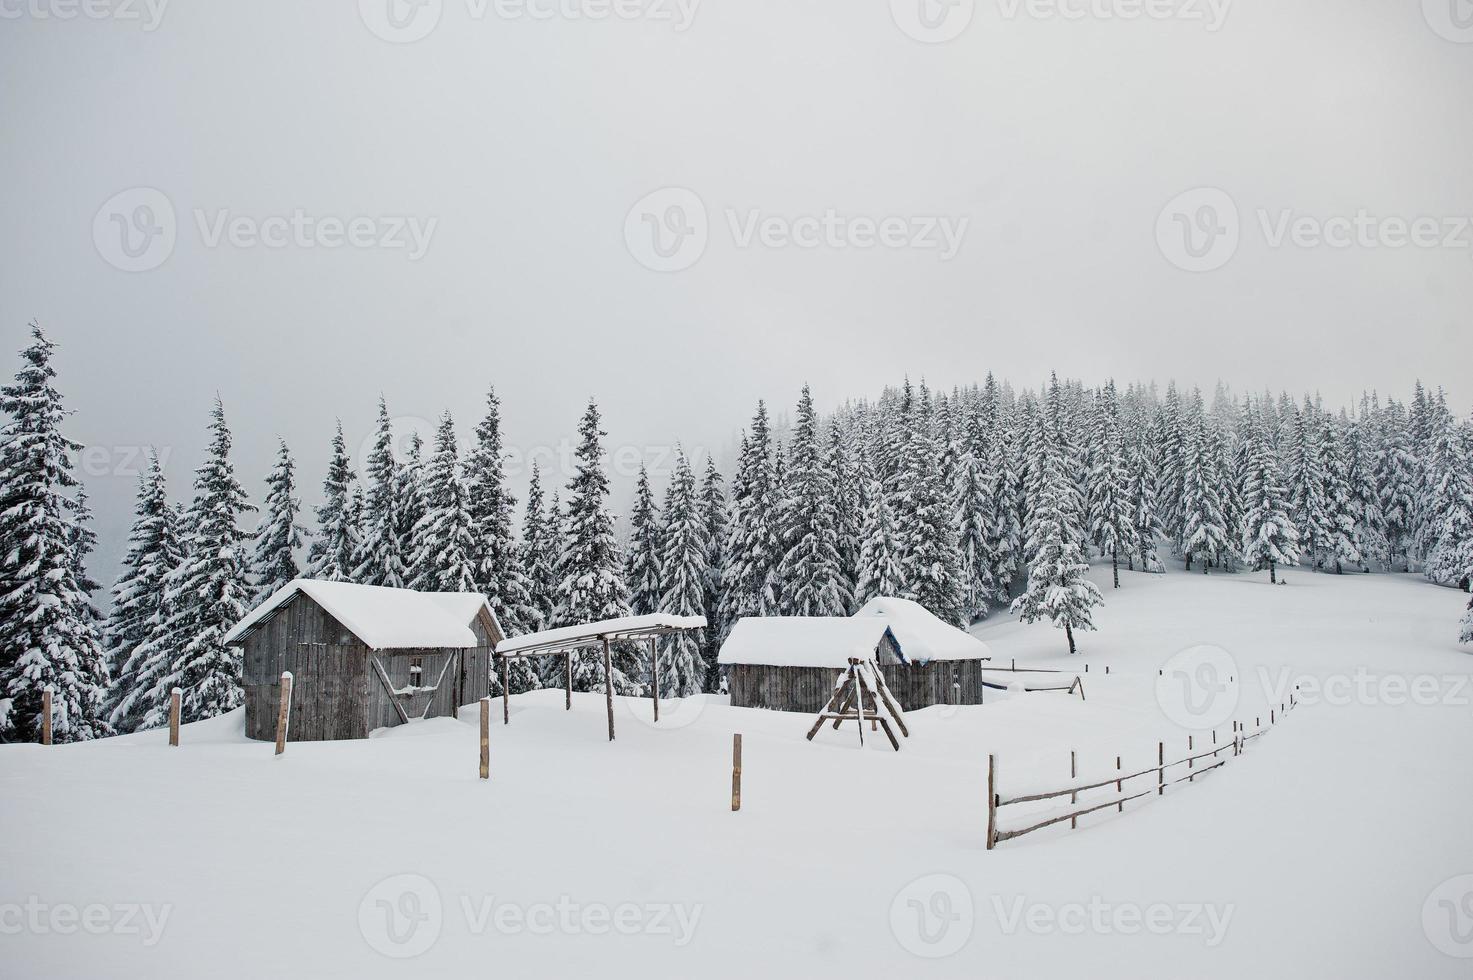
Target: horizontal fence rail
[{"x": 996, "y": 801}]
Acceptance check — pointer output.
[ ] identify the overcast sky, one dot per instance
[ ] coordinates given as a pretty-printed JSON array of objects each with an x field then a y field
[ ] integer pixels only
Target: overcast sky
[{"x": 680, "y": 208}]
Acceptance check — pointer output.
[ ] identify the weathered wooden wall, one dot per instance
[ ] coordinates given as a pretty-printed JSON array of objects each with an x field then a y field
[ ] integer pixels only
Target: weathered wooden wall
[
  {"x": 328, "y": 664},
  {"x": 807, "y": 689}
]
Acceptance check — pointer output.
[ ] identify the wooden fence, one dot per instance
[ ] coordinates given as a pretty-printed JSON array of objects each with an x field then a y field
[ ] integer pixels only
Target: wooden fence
[{"x": 1209, "y": 758}]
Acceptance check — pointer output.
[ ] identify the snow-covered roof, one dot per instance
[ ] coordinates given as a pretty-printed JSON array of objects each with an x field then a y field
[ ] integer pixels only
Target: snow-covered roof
[
  {"x": 802, "y": 641},
  {"x": 383, "y": 618},
  {"x": 586, "y": 634},
  {"x": 922, "y": 636}
]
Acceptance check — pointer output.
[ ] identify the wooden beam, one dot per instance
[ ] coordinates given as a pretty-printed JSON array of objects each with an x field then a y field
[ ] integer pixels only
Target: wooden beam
[
  {"x": 383, "y": 677},
  {"x": 736, "y": 773},
  {"x": 46, "y": 716},
  {"x": 568, "y": 680},
  {"x": 609, "y": 685},
  {"x": 174, "y": 711},
  {"x": 505, "y": 691},
  {"x": 486, "y": 737},
  {"x": 284, "y": 713},
  {"x": 655, "y": 674}
]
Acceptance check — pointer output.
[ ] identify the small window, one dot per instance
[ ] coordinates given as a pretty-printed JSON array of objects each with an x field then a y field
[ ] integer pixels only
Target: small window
[{"x": 416, "y": 671}]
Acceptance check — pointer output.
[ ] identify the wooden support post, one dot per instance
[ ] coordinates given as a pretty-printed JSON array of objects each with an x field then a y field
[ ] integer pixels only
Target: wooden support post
[
  {"x": 505, "y": 691},
  {"x": 1119, "y": 788},
  {"x": 1107, "y": 668},
  {"x": 1073, "y": 797},
  {"x": 736, "y": 772},
  {"x": 284, "y": 712},
  {"x": 486, "y": 737},
  {"x": 1191, "y": 763},
  {"x": 609, "y": 685},
  {"x": 1160, "y": 768},
  {"x": 1271, "y": 717},
  {"x": 655, "y": 674},
  {"x": 174, "y": 697},
  {"x": 46, "y": 715},
  {"x": 991, "y": 802},
  {"x": 568, "y": 681}
]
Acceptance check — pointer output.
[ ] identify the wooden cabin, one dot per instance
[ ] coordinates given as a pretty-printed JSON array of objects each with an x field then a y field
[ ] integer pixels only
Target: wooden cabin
[
  {"x": 362, "y": 657},
  {"x": 792, "y": 663}
]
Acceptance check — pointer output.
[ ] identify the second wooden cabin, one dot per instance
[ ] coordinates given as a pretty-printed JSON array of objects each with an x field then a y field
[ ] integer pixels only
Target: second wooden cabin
[{"x": 791, "y": 663}]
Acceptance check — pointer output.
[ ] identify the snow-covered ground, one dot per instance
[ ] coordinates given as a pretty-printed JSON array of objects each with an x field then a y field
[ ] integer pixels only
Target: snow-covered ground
[{"x": 1325, "y": 850}]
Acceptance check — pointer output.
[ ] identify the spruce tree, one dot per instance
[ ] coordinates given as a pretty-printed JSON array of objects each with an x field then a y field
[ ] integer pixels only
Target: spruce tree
[
  {"x": 1466, "y": 636},
  {"x": 1269, "y": 536},
  {"x": 444, "y": 562},
  {"x": 879, "y": 560},
  {"x": 811, "y": 568},
  {"x": 379, "y": 559},
  {"x": 1396, "y": 485},
  {"x": 753, "y": 546},
  {"x": 1204, "y": 528},
  {"x": 848, "y": 502},
  {"x": 591, "y": 586},
  {"x": 539, "y": 549},
  {"x": 685, "y": 552},
  {"x": 498, "y": 561},
  {"x": 139, "y": 607},
  {"x": 1006, "y": 540},
  {"x": 330, "y": 557},
  {"x": 644, "y": 555},
  {"x": 48, "y": 629},
  {"x": 1059, "y": 588},
  {"x": 279, "y": 536},
  {"x": 929, "y": 561},
  {"x": 410, "y": 506},
  {"x": 1307, "y": 485},
  {"x": 1111, "y": 517},
  {"x": 975, "y": 510},
  {"x": 1450, "y": 506},
  {"x": 713, "y": 514},
  {"x": 209, "y": 590},
  {"x": 1338, "y": 532},
  {"x": 1147, "y": 530}
]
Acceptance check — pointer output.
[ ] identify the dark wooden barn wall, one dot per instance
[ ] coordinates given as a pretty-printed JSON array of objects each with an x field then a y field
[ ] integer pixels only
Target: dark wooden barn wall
[{"x": 807, "y": 689}]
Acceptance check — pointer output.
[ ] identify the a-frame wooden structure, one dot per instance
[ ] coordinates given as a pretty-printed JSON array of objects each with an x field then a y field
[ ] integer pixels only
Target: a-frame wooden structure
[{"x": 859, "y": 696}]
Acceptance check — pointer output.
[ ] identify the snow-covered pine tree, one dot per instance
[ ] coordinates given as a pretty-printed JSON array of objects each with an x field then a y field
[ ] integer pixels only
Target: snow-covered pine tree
[
  {"x": 1204, "y": 528},
  {"x": 1307, "y": 484},
  {"x": 331, "y": 555},
  {"x": 643, "y": 557},
  {"x": 209, "y": 590},
  {"x": 1059, "y": 588},
  {"x": 410, "y": 506},
  {"x": 1365, "y": 497},
  {"x": 498, "y": 562},
  {"x": 848, "y": 501},
  {"x": 1171, "y": 452},
  {"x": 279, "y": 536},
  {"x": 1006, "y": 540},
  {"x": 1338, "y": 533},
  {"x": 139, "y": 609},
  {"x": 975, "y": 509},
  {"x": 444, "y": 562},
  {"x": 684, "y": 570},
  {"x": 1450, "y": 506},
  {"x": 1396, "y": 484},
  {"x": 879, "y": 559},
  {"x": 379, "y": 558},
  {"x": 1466, "y": 636},
  {"x": 1269, "y": 536},
  {"x": 1111, "y": 517},
  {"x": 929, "y": 562},
  {"x": 1144, "y": 513},
  {"x": 810, "y": 568},
  {"x": 48, "y": 630},
  {"x": 539, "y": 550},
  {"x": 591, "y": 586},
  {"x": 713, "y": 514},
  {"x": 753, "y": 545},
  {"x": 84, "y": 542}
]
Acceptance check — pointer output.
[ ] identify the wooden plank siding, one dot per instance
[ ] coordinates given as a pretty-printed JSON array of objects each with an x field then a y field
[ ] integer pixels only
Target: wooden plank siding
[{"x": 807, "y": 689}]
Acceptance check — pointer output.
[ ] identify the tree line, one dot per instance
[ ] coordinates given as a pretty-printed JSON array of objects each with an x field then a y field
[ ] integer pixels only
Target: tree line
[{"x": 965, "y": 501}]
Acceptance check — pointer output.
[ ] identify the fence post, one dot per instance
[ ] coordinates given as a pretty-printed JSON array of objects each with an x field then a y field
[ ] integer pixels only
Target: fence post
[
  {"x": 1160, "y": 768},
  {"x": 991, "y": 802},
  {"x": 46, "y": 715},
  {"x": 1271, "y": 721},
  {"x": 284, "y": 713},
  {"x": 1073, "y": 797},
  {"x": 736, "y": 772},
  {"x": 174, "y": 697},
  {"x": 1191, "y": 763},
  {"x": 1118, "y": 787},
  {"x": 486, "y": 737}
]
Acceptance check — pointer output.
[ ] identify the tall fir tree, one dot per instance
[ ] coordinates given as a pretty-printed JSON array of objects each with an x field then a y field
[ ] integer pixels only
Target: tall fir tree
[
  {"x": 1111, "y": 517},
  {"x": 539, "y": 548},
  {"x": 1145, "y": 513},
  {"x": 1338, "y": 532},
  {"x": 141, "y": 610},
  {"x": 379, "y": 559},
  {"x": 444, "y": 562},
  {"x": 330, "y": 556},
  {"x": 811, "y": 568},
  {"x": 685, "y": 552},
  {"x": 210, "y": 589},
  {"x": 714, "y": 516},
  {"x": 975, "y": 509},
  {"x": 48, "y": 631},
  {"x": 591, "y": 584},
  {"x": 643, "y": 558},
  {"x": 410, "y": 506},
  {"x": 279, "y": 536},
  {"x": 498, "y": 560},
  {"x": 1270, "y": 539},
  {"x": 928, "y": 557},
  {"x": 1449, "y": 505},
  {"x": 753, "y": 547}
]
